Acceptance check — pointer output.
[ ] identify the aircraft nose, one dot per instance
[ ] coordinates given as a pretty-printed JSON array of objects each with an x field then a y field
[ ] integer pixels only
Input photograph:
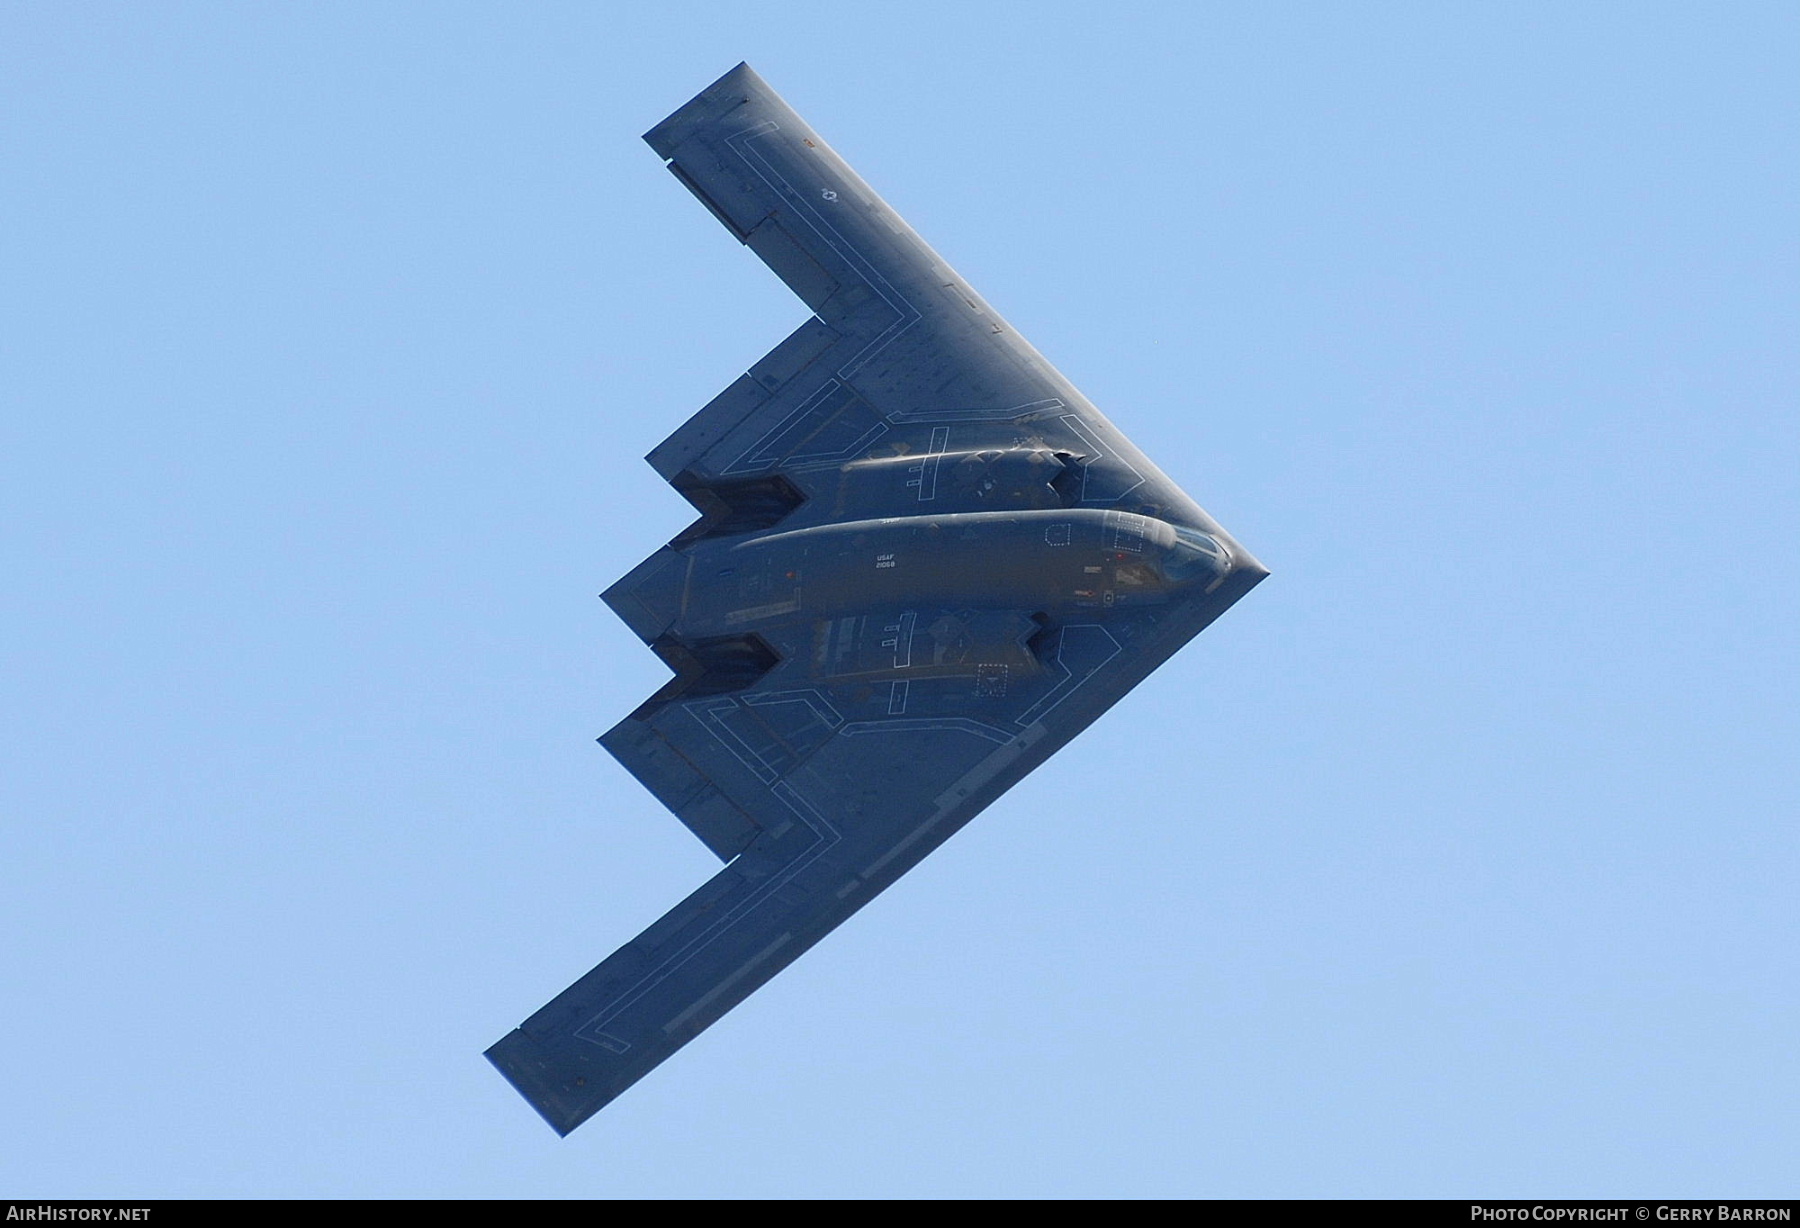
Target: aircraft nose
[{"x": 1246, "y": 565}]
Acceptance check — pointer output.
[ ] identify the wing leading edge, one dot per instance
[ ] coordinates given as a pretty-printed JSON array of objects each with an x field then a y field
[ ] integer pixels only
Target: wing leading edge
[{"x": 924, "y": 563}]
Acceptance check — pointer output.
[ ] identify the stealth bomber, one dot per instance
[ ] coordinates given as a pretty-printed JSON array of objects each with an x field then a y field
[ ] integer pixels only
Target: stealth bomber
[{"x": 924, "y": 562}]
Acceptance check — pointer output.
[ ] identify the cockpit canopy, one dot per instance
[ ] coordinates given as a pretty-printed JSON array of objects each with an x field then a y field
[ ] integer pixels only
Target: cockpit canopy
[{"x": 1195, "y": 556}]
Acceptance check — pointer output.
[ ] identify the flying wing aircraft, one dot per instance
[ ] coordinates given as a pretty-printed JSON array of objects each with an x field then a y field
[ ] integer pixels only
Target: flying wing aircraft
[{"x": 923, "y": 563}]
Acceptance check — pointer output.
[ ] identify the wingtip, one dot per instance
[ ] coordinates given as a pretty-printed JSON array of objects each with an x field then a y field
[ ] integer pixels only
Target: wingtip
[
  {"x": 730, "y": 91},
  {"x": 511, "y": 1056}
]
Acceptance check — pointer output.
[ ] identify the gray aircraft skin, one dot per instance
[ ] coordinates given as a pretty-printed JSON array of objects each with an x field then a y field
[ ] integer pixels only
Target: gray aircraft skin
[{"x": 924, "y": 563}]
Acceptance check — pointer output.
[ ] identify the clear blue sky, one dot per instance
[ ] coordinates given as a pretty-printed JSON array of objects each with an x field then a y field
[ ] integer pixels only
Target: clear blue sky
[{"x": 1458, "y": 859}]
